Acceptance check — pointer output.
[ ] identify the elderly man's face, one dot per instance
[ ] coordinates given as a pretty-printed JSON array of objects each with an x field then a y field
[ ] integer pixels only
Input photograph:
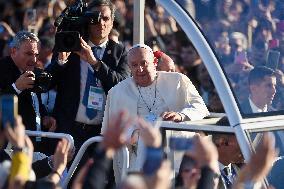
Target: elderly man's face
[
  {"x": 141, "y": 63},
  {"x": 166, "y": 64},
  {"x": 25, "y": 57}
]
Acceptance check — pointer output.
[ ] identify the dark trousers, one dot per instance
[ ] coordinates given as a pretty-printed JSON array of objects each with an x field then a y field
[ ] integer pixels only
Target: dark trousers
[
  {"x": 82, "y": 132},
  {"x": 46, "y": 145}
]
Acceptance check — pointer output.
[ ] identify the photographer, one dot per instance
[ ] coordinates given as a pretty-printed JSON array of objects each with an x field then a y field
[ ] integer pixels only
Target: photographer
[
  {"x": 17, "y": 76},
  {"x": 83, "y": 78}
]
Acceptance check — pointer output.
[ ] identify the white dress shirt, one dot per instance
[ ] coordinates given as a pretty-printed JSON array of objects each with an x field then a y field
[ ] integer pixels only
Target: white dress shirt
[
  {"x": 256, "y": 109},
  {"x": 81, "y": 114}
]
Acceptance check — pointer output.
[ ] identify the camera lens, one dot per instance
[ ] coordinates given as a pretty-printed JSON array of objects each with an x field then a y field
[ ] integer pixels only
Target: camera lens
[{"x": 68, "y": 40}]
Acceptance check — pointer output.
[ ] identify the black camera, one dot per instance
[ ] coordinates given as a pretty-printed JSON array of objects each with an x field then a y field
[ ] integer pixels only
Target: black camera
[
  {"x": 73, "y": 24},
  {"x": 42, "y": 81}
]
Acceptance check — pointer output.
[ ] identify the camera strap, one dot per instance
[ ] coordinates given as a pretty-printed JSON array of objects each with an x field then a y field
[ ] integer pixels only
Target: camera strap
[{"x": 35, "y": 101}]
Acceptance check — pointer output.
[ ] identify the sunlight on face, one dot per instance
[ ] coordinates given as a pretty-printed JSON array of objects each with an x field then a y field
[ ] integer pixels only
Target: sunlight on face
[{"x": 141, "y": 63}]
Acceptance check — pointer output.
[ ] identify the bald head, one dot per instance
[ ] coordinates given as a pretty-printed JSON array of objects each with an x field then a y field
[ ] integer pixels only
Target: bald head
[
  {"x": 165, "y": 63},
  {"x": 141, "y": 46},
  {"x": 141, "y": 62}
]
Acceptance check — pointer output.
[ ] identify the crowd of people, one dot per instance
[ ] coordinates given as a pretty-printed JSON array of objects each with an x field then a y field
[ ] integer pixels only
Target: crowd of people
[{"x": 117, "y": 89}]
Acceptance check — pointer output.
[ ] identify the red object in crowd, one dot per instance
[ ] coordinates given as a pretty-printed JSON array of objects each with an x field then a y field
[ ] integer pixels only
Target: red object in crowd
[{"x": 157, "y": 55}]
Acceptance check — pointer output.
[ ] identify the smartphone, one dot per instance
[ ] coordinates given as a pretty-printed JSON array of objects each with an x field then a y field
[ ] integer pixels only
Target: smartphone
[
  {"x": 2, "y": 29},
  {"x": 240, "y": 57},
  {"x": 31, "y": 15},
  {"x": 153, "y": 160},
  {"x": 180, "y": 143},
  {"x": 9, "y": 109},
  {"x": 272, "y": 59},
  {"x": 280, "y": 26},
  {"x": 273, "y": 43}
]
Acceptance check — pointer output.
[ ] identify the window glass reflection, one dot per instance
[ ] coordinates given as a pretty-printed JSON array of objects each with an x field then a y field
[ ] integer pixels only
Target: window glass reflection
[{"x": 276, "y": 175}]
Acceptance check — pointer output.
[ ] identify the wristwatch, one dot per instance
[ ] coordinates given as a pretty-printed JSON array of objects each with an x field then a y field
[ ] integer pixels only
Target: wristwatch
[
  {"x": 97, "y": 65},
  {"x": 50, "y": 162},
  {"x": 18, "y": 149}
]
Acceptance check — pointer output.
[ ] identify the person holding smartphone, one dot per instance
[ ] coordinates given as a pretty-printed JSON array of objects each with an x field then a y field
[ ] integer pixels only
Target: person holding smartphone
[{"x": 17, "y": 77}]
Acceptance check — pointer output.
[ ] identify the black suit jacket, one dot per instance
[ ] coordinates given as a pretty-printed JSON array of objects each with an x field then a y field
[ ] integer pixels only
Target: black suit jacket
[
  {"x": 9, "y": 73},
  {"x": 246, "y": 108},
  {"x": 114, "y": 69}
]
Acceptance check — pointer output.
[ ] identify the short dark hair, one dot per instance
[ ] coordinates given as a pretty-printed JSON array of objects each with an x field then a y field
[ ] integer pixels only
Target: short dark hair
[
  {"x": 259, "y": 73},
  {"x": 98, "y": 3},
  {"x": 47, "y": 42},
  {"x": 224, "y": 121}
]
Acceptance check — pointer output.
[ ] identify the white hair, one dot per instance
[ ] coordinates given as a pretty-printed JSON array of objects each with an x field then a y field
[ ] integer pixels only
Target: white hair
[{"x": 142, "y": 46}]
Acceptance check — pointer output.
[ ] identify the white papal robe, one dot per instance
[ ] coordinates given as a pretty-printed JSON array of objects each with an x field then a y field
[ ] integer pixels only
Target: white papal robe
[{"x": 175, "y": 89}]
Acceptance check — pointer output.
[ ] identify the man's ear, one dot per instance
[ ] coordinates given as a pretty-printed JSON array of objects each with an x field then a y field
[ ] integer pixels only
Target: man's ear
[
  {"x": 13, "y": 51},
  {"x": 156, "y": 61}
]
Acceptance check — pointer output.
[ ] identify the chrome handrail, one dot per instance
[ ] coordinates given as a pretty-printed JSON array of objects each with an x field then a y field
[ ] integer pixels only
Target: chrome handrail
[
  {"x": 52, "y": 135},
  {"x": 79, "y": 156}
]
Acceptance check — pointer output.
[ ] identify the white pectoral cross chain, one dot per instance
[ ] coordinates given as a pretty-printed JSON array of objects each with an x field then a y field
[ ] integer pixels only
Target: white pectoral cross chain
[{"x": 151, "y": 116}]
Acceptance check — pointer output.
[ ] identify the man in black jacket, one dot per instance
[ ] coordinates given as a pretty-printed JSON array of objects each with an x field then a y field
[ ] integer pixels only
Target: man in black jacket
[
  {"x": 262, "y": 89},
  {"x": 17, "y": 77},
  {"x": 84, "y": 78}
]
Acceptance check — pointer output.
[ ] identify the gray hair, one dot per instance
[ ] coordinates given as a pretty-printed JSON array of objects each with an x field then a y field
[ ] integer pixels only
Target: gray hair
[
  {"x": 23, "y": 36},
  {"x": 141, "y": 46}
]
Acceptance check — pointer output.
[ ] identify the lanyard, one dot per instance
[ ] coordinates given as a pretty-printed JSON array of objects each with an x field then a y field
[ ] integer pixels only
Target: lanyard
[
  {"x": 229, "y": 178},
  {"x": 36, "y": 109}
]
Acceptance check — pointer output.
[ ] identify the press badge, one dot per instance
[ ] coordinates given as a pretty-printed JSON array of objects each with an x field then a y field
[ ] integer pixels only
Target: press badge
[
  {"x": 96, "y": 98},
  {"x": 151, "y": 117}
]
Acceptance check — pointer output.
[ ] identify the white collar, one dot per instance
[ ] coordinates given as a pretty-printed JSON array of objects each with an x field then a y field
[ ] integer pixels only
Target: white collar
[
  {"x": 256, "y": 109},
  {"x": 102, "y": 45},
  {"x": 221, "y": 167}
]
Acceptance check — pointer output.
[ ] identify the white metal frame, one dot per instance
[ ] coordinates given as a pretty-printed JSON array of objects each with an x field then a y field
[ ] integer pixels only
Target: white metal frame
[
  {"x": 195, "y": 127},
  {"x": 51, "y": 135},
  {"x": 208, "y": 57},
  {"x": 80, "y": 154},
  {"x": 239, "y": 124},
  {"x": 220, "y": 82}
]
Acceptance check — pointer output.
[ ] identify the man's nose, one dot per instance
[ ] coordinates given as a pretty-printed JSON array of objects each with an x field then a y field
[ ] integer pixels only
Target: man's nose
[
  {"x": 101, "y": 21},
  {"x": 34, "y": 59},
  {"x": 140, "y": 68}
]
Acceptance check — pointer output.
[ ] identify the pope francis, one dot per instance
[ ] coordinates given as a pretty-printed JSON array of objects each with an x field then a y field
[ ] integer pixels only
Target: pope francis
[{"x": 151, "y": 94}]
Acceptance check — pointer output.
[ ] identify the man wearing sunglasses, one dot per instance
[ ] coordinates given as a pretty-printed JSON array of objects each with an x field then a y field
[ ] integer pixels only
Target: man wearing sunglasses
[{"x": 83, "y": 78}]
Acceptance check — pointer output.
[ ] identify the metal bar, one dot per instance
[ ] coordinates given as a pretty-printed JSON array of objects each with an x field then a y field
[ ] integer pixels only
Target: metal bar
[
  {"x": 207, "y": 55},
  {"x": 138, "y": 21},
  {"x": 78, "y": 158},
  {"x": 81, "y": 153},
  {"x": 52, "y": 135},
  {"x": 191, "y": 127},
  {"x": 215, "y": 114},
  {"x": 262, "y": 119}
]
